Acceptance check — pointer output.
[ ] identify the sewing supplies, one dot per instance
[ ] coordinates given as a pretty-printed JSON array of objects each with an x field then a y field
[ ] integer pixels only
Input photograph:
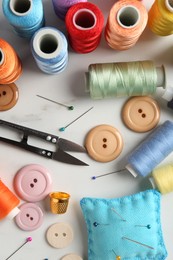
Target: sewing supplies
[
  {"x": 8, "y": 202},
  {"x": 84, "y": 23},
  {"x": 61, "y": 144},
  {"x": 10, "y": 64},
  {"x": 59, "y": 202},
  {"x": 9, "y": 95},
  {"x": 118, "y": 214},
  {"x": 69, "y": 107},
  {"x": 50, "y": 50},
  {"x": 62, "y": 6},
  {"x": 29, "y": 239},
  {"x": 136, "y": 78},
  {"x": 168, "y": 95},
  {"x": 105, "y": 174},
  {"x": 137, "y": 242},
  {"x": 117, "y": 256},
  {"x": 25, "y": 16},
  {"x": 64, "y": 127},
  {"x": 96, "y": 224},
  {"x": 126, "y": 22},
  {"x": 147, "y": 226},
  {"x": 162, "y": 178},
  {"x": 160, "y": 17},
  {"x": 104, "y": 143}
]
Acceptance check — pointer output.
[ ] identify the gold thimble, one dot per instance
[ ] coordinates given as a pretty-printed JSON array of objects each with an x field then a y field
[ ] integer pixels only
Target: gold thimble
[{"x": 59, "y": 202}]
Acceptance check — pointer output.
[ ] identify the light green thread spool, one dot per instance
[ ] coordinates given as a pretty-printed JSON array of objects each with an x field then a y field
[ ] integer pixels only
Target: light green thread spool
[{"x": 136, "y": 78}]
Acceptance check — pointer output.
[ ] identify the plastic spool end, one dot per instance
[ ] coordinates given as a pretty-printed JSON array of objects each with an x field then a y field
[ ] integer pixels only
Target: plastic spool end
[
  {"x": 13, "y": 213},
  {"x": 169, "y": 5},
  {"x": 86, "y": 78},
  {"x": 168, "y": 94},
  {"x": 131, "y": 170},
  {"x": 1, "y": 57},
  {"x": 152, "y": 182},
  {"x": 128, "y": 16},
  {"x": 84, "y": 19},
  {"x": 161, "y": 76},
  {"x": 19, "y": 7}
]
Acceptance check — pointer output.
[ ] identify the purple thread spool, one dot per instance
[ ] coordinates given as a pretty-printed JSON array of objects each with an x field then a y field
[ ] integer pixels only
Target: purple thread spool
[{"x": 61, "y": 6}]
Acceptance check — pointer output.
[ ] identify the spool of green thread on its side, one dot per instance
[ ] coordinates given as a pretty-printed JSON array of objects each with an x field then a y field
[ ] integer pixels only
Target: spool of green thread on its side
[{"x": 121, "y": 79}]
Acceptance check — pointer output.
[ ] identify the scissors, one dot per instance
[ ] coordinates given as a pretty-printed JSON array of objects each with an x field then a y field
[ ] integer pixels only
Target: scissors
[{"x": 61, "y": 145}]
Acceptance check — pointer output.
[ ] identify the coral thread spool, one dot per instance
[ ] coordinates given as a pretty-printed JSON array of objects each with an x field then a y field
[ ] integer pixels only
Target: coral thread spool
[
  {"x": 84, "y": 23},
  {"x": 10, "y": 64},
  {"x": 8, "y": 202},
  {"x": 126, "y": 22}
]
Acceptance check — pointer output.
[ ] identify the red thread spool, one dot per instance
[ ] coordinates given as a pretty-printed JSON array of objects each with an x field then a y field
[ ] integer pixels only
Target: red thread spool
[
  {"x": 10, "y": 64},
  {"x": 84, "y": 23},
  {"x": 8, "y": 202}
]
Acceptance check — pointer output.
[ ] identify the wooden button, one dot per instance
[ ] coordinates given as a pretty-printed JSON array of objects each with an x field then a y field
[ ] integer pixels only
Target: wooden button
[
  {"x": 141, "y": 114},
  {"x": 8, "y": 96},
  {"x": 104, "y": 143}
]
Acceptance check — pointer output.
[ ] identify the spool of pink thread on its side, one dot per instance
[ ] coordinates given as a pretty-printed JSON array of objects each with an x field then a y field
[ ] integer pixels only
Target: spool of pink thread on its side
[
  {"x": 84, "y": 23},
  {"x": 126, "y": 22}
]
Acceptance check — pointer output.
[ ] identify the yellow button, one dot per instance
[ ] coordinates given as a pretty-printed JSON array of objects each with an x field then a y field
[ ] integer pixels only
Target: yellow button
[
  {"x": 104, "y": 143},
  {"x": 8, "y": 96},
  {"x": 141, "y": 114}
]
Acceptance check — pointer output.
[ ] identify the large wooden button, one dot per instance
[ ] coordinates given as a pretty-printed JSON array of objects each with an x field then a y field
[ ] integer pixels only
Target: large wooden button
[
  {"x": 8, "y": 96},
  {"x": 104, "y": 143},
  {"x": 141, "y": 114}
]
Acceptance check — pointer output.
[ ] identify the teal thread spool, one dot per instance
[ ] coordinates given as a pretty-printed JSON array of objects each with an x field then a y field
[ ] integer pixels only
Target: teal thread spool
[{"x": 121, "y": 79}]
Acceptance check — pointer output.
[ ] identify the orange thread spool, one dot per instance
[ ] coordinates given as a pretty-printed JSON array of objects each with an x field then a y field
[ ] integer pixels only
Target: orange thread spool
[
  {"x": 126, "y": 22},
  {"x": 8, "y": 202},
  {"x": 10, "y": 64}
]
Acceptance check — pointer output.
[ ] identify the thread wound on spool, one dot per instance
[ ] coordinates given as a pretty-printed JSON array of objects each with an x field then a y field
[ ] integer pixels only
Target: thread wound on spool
[
  {"x": 10, "y": 64},
  {"x": 153, "y": 150},
  {"x": 26, "y": 16},
  {"x": 61, "y": 7},
  {"x": 136, "y": 78},
  {"x": 84, "y": 23},
  {"x": 160, "y": 17},
  {"x": 49, "y": 49},
  {"x": 163, "y": 178},
  {"x": 8, "y": 201},
  {"x": 125, "y": 24}
]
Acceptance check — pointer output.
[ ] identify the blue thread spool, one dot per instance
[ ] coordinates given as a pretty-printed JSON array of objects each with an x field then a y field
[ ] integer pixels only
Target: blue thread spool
[
  {"x": 50, "y": 50},
  {"x": 151, "y": 151},
  {"x": 26, "y": 16}
]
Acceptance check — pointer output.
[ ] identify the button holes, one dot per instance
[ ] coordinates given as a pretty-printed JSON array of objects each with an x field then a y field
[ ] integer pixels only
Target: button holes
[
  {"x": 56, "y": 234},
  {"x": 64, "y": 234},
  {"x": 31, "y": 219},
  {"x": 4, "y": 93},
  {"x": 32, "y": 185},
  {"x": 27, "y": 215},
  {"x": 104, "y": 140},
  {"x": 140, "y": 110},
  {"x": 104, "y": 146},
  {"x": 35, "y": 180},
  {"x": 143, "y": 115}
]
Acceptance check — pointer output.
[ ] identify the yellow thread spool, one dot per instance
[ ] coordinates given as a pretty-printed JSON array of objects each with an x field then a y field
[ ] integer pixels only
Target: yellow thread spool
[
  {"x": 160, "y": 17},
  {"x": 59, "y": 202},
  {"x": 162, "y": 178}
]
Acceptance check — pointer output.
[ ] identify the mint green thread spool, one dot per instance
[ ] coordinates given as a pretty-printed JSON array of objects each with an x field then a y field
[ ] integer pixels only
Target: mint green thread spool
[{"x": 138, "y": 78}]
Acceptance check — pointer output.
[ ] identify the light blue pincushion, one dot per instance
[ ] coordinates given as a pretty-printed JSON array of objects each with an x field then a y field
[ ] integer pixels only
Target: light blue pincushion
[{"x": 136, "y": 217}]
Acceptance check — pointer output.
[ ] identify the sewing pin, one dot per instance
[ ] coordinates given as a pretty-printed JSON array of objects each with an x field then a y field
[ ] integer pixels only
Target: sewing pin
[
  {"x": 63, "y": 128},
  {"x": 99, "y": 176},
  {"x": 29, "y": 239},
  {"x": 69, "y": 107},
  {"x": 95, "y": 224},
  {"x": 147, "y": 226},
  {"x": 117, "y": 256},
  {"x": 118, "y": 214},
  {"x": 134, "y": 241}
]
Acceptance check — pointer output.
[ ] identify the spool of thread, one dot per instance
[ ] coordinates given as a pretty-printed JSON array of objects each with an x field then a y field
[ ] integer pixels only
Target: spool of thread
[
  {"x": 162, "y": 179},
  {"x": 126, "y": 22},
  {"x": 50, "y": 50},
  {"x": 168, "y": 95},
  {"x": 137, "y": 78},
  {"x": 62, "y": 6},
  {"x": 152, "y": 151},
  {"x": 160, "y": 17},
  {"x": 8, "y": 202},
  {"x": 10, "y": 64},
  {"x": 84, "y": 23},
  {"x": 25, "y": 16}
]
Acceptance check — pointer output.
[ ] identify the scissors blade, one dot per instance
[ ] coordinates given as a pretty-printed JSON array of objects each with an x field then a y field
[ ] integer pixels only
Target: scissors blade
[
  {"x": 62, "y": 156},
  {"x": 67, "y": 145}
]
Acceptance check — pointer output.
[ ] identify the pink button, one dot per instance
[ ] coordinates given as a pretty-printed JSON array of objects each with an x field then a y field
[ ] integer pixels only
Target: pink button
[
  {"x": 30, "y": 217},
  {"x": 33, "y": 183}
]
